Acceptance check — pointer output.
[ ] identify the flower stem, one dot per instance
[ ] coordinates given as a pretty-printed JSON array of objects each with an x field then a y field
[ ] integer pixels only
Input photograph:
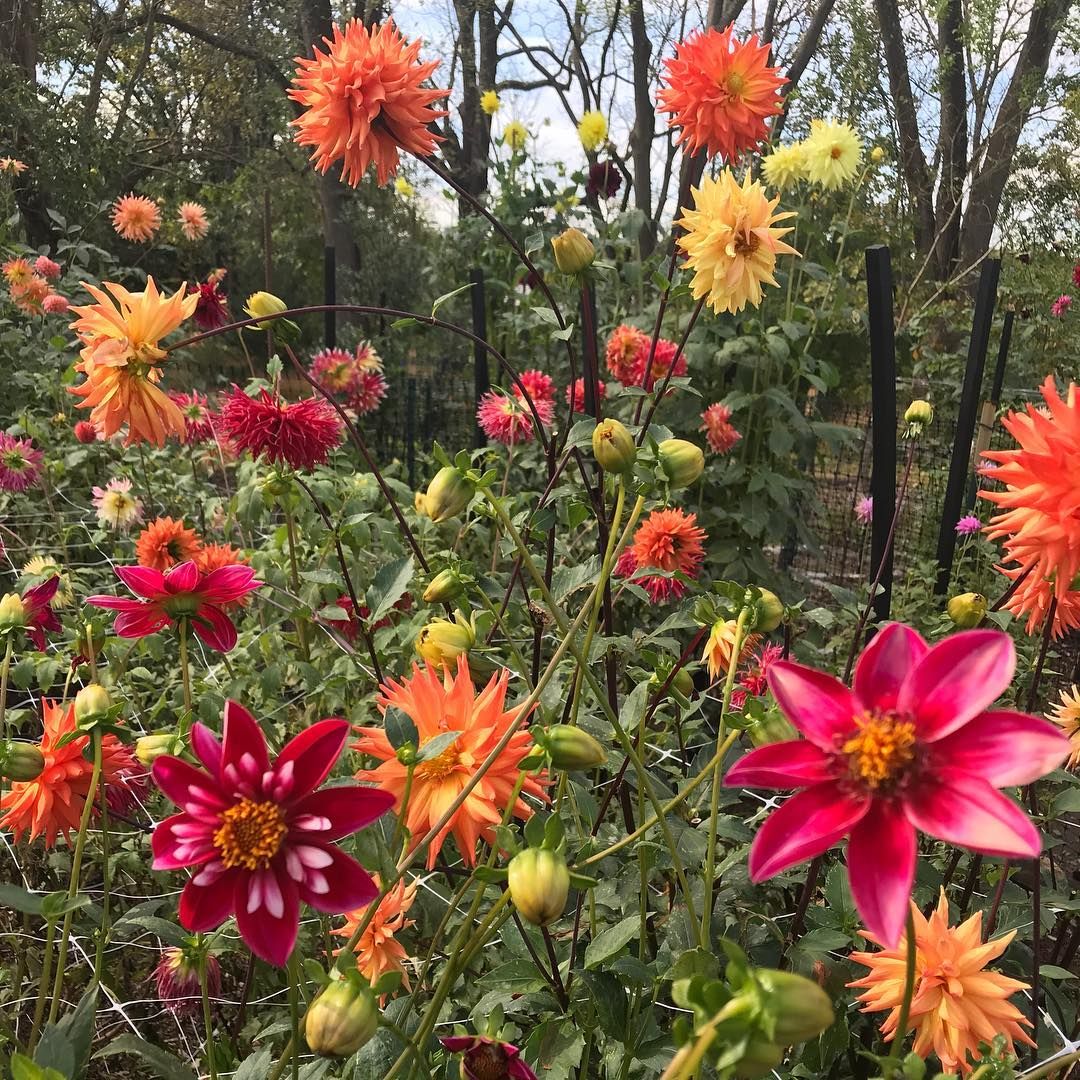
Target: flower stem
[
  {"x": 294, "y": 1010},
  {"x": 1049, "y": 1068},
  {"x": 5, "y": 671},
  {"x": 294, "y": 575},
  {"x": 905, "y": 1004},
  {"x": 208, "y": 1023},
  {"x": 43, "y": 982},
  {"x": 103, "y": 930},
  {"x": 185, "y": 674}
]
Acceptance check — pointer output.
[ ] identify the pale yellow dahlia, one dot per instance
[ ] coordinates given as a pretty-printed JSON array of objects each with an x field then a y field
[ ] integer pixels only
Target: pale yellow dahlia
[
  {"x": 785, "y": 166},
  {"x": 833, "y": 153}
]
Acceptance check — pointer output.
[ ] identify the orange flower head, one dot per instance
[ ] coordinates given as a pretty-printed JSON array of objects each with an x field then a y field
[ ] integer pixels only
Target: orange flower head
[
  {"x": 377, "y": 951},
  {"x": 450, "y": 703},
  {"x": 718, "y": 647},
  {"x": 30, "y": 296},
  {"x": 720, "y": 92},
  {"x": 627, "y": 349},
  {"x": 364, "y": 100},
  {"x": 957, "y": 1004},
  {"x": 1039, "y": 519},
  {"x": 166, "y": 542},
  {"x": 669, "y": 540},
  {"x": 136, "y": 218},
  {"x": 191, "y": 217},
  {"x": 211, "y": 557},
  {"x": 17, "y": 272},
  {"x": 51, "y": 804},
  {"x": 1066, "y": 714}
]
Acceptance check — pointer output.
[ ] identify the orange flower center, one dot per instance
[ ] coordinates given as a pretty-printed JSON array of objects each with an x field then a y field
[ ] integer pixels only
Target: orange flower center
[
  {"x": 881, "y": 751},
  {"x": 440, "y": 767},
  {"x": 746, "y": 245},
  {"x": 835, "y": 152},
  {"x": 250, "y": 834}
]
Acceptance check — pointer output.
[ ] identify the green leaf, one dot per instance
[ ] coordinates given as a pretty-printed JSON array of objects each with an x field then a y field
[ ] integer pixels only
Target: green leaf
[
  {"x": 389, "y": 586},
  {"x": 447, "y": 296},
  {"x": 321, "y": 577},
  {"x": 534, "y": 830},
  {"x": 256, "y": 1066},
  {"x": 22, "y": 1068},
  {"x": 65, "y": 1045},
  {"x": 397, "y": 324},
  {"x": 11, "y": 896},
  {"x": 169, "y": 932},
  {"x": 163, "y": 1065},
  {"x": 1051, "y": 971},
  {"x": 434, "y": 747},
  {"x": 399, "y": 728},
  {"x": 57, "y": 904},
  {"x": 611, "y": 940}
]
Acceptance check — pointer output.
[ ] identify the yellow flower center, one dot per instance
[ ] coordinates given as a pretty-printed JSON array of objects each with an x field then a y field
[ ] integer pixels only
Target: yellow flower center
[
  {"x": 440, "y": 767},
  {"x": 250, "y": 834},
  {"x": 882, "y": 749},
  {"x": 735, "y": 84}
]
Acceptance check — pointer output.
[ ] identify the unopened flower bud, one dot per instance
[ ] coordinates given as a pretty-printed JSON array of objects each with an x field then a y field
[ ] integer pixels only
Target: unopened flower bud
[
  {"x": 759, "y": 1059},
  {"x": 264, "y": 303},
  {"x": 877, "y": 155},
  {"x": 573, "y": 251},
  {"x": 149, "y": 748},
  {"x": 441, "y": 641},
  {"x": 92, "y": 703},
  {"x": 613, "y": 446},
  {"x": 571, "y": 748},
  {"x": 801, "y": 1007},
  {"x": 770, "y": 612},
  {"x": 918, "y": 414},
  {"x": 12, "y": 612},
  {"x": 683, "y": 682},
  {"x": 539, "y": 883},
  {"x": 967, "y": 610},
  {"x": 21, "y": 761},
  {"x": 444, "y": 586},
  {"x": 682, "y": 461},
  {"x": 341, "y": 1019},
  {"x": 447, "y": 495},
  {"x": 773, "y": 727}
]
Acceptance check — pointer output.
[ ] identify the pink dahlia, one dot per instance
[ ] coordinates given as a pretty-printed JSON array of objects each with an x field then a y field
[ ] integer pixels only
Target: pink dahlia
[
  {"x": 334, "y": 370},
  {"x": 1060, "y": 306},
  {"x": 720, "y": 433},
  {"x": 47, "y": 268},
  {"x": 1076, "y": 275},
  {"x": 181, "y": 592},
  {"x": 368, "y": 392},
  {"x": 648, "y": 375},
  {"x": 626, "y": 347},
  {"x": 41, "y": 619},
  {"x": 508, "y": 419},
  {"x": 20, "y": 463},
  {"x": 754, "y": 678},
  {"x": 969, "y": 523},
  {"x": 179, "y": 987},
  {"x": 300, "y": 434},
  {"x": 540, "y": 386},
  {"x": 198, "y": 416},
  {"x": 85, "y": 432},
  {"x": 258, "y": 834},
  {"x": 55, "y": 304},
  {"x": 911, "y": 746},
  {"x": 864, "y": 509},
  {"x": 578, "y": 391},
  {"x": 483, "y": 1058}
]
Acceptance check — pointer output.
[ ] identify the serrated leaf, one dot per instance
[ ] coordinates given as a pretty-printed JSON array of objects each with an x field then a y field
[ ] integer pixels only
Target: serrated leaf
[
  {"x": 165, "y": 1066},
  {"x": 389, "y": 586},
  {"x": 255, "y": 1067}
]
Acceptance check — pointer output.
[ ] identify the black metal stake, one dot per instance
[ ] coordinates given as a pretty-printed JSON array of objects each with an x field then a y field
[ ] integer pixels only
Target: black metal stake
[
  {"x": 994, "y": 400},
  {"x": 590, "y": 361},
  {"x": 330, "y": 295},
  {"x": 883, "y": 405},
  {"x": 985, "y": 298},
  {"x": 410, "y": 429},
  {"x": 480, "y": 360}
]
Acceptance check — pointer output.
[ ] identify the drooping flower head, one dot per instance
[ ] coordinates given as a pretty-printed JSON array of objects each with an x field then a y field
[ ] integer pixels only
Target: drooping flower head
[
  {"x": 136, "y": 218},
  {"x": 627, "y": 349},
  {"x": 211, "y": 307},
  {"x": 178, "y": 980},
  {"x": 48, "y": 269},
  {"x": 507, "y": 419},
  {"x": 12, "y": 166},
  {"x": 182, "y": 592},
  {"x": 833, "y": 152},
  {"x": 668, "y": 540},
  {"x": 731, "y": 241},
  {"x": 720, "y": 92},
  {"x": 665, "y": 354},
  {"x": 165, "y": 542},
  {"x": 300, "y": 435},
  {"x": 258, "y": 834},
  {"x": 364, "y": 99},
  {"x": 968, "y": 524},
  {"x": 1060, "y": 306},
  {"x": 910, "y": 747},
  {"x": 116, "y": 507},
  {"x": 864, "y": 509},
  {"x": 592, "y": 130},
  {"x": 483, "y": 1058},
  {"x": 753, "y": 679},
  {"x": 191, "y": 217},
  {"x": 720, "y": 433},
  {"x": 578, "y": 393},
  {"x": 33, "y": 611},
  {"x": 437, "y": 705},
  {"x": 604, "y": 180},
  {"x": 720, "y": 644},
  {"x": 20, "y": 463},
  {"x": 377, "y": 951},
  {"x": 198, "y": 416},
  {"x": 785, "y": 166},
  {"x": 51, "y": 804},
  {"x": 957, "y": 1003},
  {"x": 1066, "y": 714}
]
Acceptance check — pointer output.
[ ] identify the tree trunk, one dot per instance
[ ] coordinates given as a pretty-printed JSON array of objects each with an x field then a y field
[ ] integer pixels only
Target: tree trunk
[
  {"x": 952, "y": 138},
  {"x": 641, "y": 138},
  {"x": 470, "y": 162}
]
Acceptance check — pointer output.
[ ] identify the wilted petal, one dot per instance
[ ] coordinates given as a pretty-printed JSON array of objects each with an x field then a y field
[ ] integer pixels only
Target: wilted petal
[
  {"x": 819, "y": 705},
  {"x": 1004, "y": 748},
  {"x": 794, "y": 764},
  {"x": 881, "y": 869},
  {"x": 885, "y": 663}
]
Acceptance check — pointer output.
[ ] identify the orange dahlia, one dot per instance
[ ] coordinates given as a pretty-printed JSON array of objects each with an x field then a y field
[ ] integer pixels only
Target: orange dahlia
[
  {"x": 1039, "y": 519},
  {"x": 191, "y": 217},
  {"x": 717, "y": 654},
  {"x": 52, "y": 804},
  {"x": 627, "y": 351},
  {"x": 670, "y": 540},
  {"x": 377, "y": 951},
  {"x": 211, "y": 557},
  {"x": 957, "y": 1004},
  {"x": 720, "y": 92},
  {"x": 450, "y": 703},
  {"x": 166, "y": 542},
  {"x": 136, "y": 218},
  {"x": 121, "y": 336},
  {"x": 1066, "y": 714},
  {"x": 364, "y": 100}
]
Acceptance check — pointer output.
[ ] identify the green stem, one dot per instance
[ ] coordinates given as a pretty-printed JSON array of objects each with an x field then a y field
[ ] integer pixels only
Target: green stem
[
  {"x": 185, "y": 674},
  {"x": 399, "y": 827},
  {"x": 208, "y": 1023},
  {"x": 106, "y": 880},
  {"x": 905, "y": 1005},
  {"x": 405, "y": 1041},
  {"x": 294, "y": 574},
  {"x": 4, "y": 672},
  {"x": 294, "y": 1010},
  {"x": 1051, "y": 1067},
  {"x": 43, "y": 983},
  {"x": 76, "y": 867}
]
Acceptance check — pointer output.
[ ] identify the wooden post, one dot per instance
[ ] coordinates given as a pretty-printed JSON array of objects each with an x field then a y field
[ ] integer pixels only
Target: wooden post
[
  {"x": 482, "y": 381},
  {"x": 985, "y": 298},
  {"x": 879, "y": 296},
  {"x": 330, "y": 295}
]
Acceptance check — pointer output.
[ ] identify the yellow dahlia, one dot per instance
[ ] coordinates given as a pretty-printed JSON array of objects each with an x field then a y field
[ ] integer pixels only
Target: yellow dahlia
[
  {"x": 489, "y": 102},
  {"x": 731, "y": 241},
  {"x": 44, "y": 566},
  {"x": 592, "y": 130},
  {"x": 833, "y": 152},
  {"x": 514, "y": 135},
  {"x": 785, "y": 166}
]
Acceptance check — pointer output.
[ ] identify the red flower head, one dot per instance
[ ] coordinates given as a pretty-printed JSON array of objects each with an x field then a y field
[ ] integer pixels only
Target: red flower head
[
  {"x": 487, "y": 1059},
  {"x": 258, "y": 835},
  {"x": 178, "y": 984},
  {"x": 578, "y": 391},
  {"x": 180, "y": 593},
  {"x": 334, "y": 370},
  {"x": 663, "y": 357},
  {"x": 368, "y": 392},
  {"x": 363, "y": 99},
  {"x": 300, "y": 434},
  {"x": 20, "y": 463},
  {"x": 38, "y": 611},
  {"x": 540, "y": 387},
  {"x": 909, "y": 747},
  {"x": 720, "y": 92},
  {"x": 604, "y": 180},
  {"x": 667, "y": 540},
  {"x": 198, "y": 416},
  {"x": 720, "y": 434},
  {"x": 626, "y": 346},
  {"x": 211, "y": 309},
  {"x": 754, "y": 678},
  {"x": 85, "y": 432}
]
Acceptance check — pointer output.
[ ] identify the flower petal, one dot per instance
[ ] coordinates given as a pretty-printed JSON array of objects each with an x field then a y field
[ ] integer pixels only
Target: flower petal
[
  {"x": 1004, "y": 748},
  {"x": 881, "y": 869},
  {"x": 793, "y": 764},
  {"x": 306, "y": 759},
  {"x": 804, "y": 826},
  {"x": 240, "y": 736},
  {"x": 346, "y": 810},
  {"x": 135, "y": 624},
  {"x": 343, "y": 885},
  {"x": 143, "y": 581},
  {"x": 884, "y": 664},
  {"x": 116, "y": 603},
  {"x": 204, "y": 907},
  {"x": 965, "y": 810},
  {"x": 175, "y": 849},
  {"x": 207, "y": 747},
  {"x": 214, "y": 627},
  {"x": 819, "y": 705},
  {"x": 958, "y": 678},
  {"x": 181, "y": 578},
  {"x": 228, "y": 583},
  {"x": 190, "y": 788},
  {"x": 267, "y": 935}
]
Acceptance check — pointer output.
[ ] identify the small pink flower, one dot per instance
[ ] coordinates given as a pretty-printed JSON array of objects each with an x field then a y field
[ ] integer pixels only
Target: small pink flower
[
  {"x": 578, "y": 391},
  {"x": 1060, "y": 306},
  {"x": 368, "y": 390},
  {"x": 85, "y": 432},
  {"x": 507, "y": 419},
  {"x": 754, "y": 679},
  {"x": 1076, "y": 275},
  {"x": 969, "y": 523},
  {"x": 47, "y": 268},
  {"x": 258, "y": 834},
  {"x": 181, "y": 592},
  {"x": 20, "y": 463},
  {"x": 720, "y": 433},
  {"x": 540, "y": 387},
  {"x": 911, "y": 746},
  {"x": 864, "y": 509},
  {"x": 55, "y": 304}
]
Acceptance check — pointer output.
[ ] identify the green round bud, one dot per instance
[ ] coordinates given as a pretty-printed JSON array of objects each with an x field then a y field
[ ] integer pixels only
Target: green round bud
[
  {"x": 12, "y": 612},
  {"x": 773, "y": 727},
  {"x": 447, "y": 495},
  {"x": 539, "y": 883},
  {"x": 967, "y": 610},
  {"x": 770, "y": 612},
  {"x": 92, "y": 703},
  {"x": 21, "y": 761},
  {"x": 919, "y": 412},
  {"x": 801, "y": 1007},
  {"x": 613, "y": 446},
  {"x": 759, "y": 1059},
  {"x": 148, "y": 748},
  {"x": 571, "y": 748},
  {"x": 264, "y": 303},
  {"x": 573, "y": 250},
  {"x": 682, "y": 461},
  {"x": 444, "y": 586},
  {"x": 341, "y": 1019}
]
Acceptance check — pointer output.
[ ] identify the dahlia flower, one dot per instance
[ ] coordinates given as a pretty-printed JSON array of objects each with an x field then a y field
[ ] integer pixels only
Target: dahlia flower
[
  {"x": 968, "y": 524},
  {"x": 377, "y": 951},
  {"x": 179, "y": 981},
  {"x": 514, "y": 135},
  {"x": 627, "y": 349},
  {"x": 367, "y": 393},
  {"x": 334, "y": 370},
  {"x": 211, "y": 557},
  {"x": 833, "y": 153},
  {"x": 180, "y": 593},
  {"x": 785, "y": 166},
  {"x": 55, "y": 304},
  {"x": 731, "y": 242},
  {"x": 437, "y": 706},
  {"x": 211, "y": 306},
  {"x": 604, "y": 180},
  {"x": 300, "y": 435},
  {"x": 592, "y": 130},
  {"x": 539, "y": 386},
  {"x": 648, "y": 374},
  {"x": 577, "y": 392},
  {"x": 45, "y": 566},
  {"x": 507, "y": 419},
  {"x": 30, "y": 296},
  {"x": 754, "y": 678},
  {"x": 116, "y": 507},
  {"x": 258, "y": 834},
  {"x": 720, "y": 92},
  {"x": 191, "y": 217},
  {"x": 364, "y": 99},
  {"x": 48, "y": 269},
  {"x": 17, "y": 271},
  {"x": 136, "y": 218},
  {"x": 33, "y": 611},
  {"x": 489, "y": 102},
  {"x": 864, "y": 509},
  {"x": 404, "y": 188},
  {"x": 483, "y": 1058},
  {"x": 909, "y": 747},
  {"x": 165, "y": 542},
  {"x": 1066, "y": 714},
  {"x": 198, "y": 416},
  {"x": 957, "y": 1003},
  {"x": 84, "y": 432},
  {"x": 668, "y": 540},
  {"x": 719, "y": 644},
  {"x": 1060, "y": 306},
  {"x": 20, "y": 463},
  {"x": 720, "y": 433},
  {"x": 12, "y": 166}
]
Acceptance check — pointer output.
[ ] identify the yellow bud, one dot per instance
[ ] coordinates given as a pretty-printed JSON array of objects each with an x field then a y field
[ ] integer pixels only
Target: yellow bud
[
  {"x": 341, "y": 1019},
  {"x": 448, "y": 494},
  {"x": 12, "y": 612},
  {"x": 919, "y": 412},
  {"x": 92, "y": 703},
  {"x": 21, "y": 761},
  {"x": 967, "y": 610},
  {"x": 264, "y": 303},
  {"x": 682, "y": 461},
  {"x": 877, "y": 155},
  {"x": 573, "y": 251},
  {"x": 539, "y": 883},
  {"x": 149, "y": 748},
  {"x": 571, "y": 748},
  {"x": 613, "y": 446},
  {"x": 444, "y": 586},
  {"x": 441, "y": 642},
  {"x": 770, "y": 612}
]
